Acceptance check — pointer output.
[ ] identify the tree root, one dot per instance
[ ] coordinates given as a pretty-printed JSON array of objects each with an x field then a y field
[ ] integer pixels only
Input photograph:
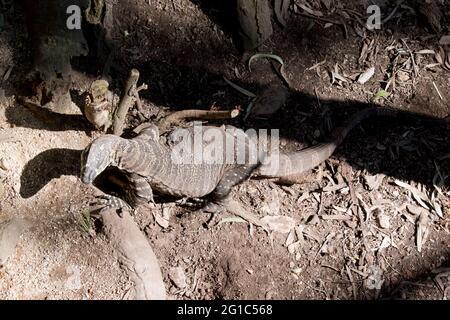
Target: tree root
[{"x": 135, "y": 255}]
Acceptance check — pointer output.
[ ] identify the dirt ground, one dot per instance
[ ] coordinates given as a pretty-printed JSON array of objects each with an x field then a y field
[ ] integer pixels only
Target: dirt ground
[{"x": 359, "y": 225}]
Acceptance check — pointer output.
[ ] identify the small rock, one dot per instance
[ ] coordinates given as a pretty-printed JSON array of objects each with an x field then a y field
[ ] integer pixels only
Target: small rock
[
  {"x": 178, "y": 277},
  {"x": 297, "y": 270},
  {"x": 384, "y": 221},
  {"x": 10, "y": 232},
  {"x": 272, "y": 204},
  {"x": 269, "y": 295}
]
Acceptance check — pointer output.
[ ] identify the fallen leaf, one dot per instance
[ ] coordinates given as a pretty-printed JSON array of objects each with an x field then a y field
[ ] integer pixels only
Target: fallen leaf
[
  {"x": 233, "y": 219},
  {"x": 381, "y": 94},
  {"x": 264, "y": 55},
  {"x": 422, "y": 230},
  {"x": 425, "y": 51},
  {"x": 281, "y": 224},
  {"x": 310, "y": 11},
  {"x": 386, "y": 243},
  {"x": 366, "y": 75},
  {"x": 373, "y": 182}
]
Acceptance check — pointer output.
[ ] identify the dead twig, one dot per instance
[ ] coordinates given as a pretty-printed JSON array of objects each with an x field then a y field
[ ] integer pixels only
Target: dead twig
[
  {"x": 125, "y": 103},
  {"x": 350, "y": 278},
  {"x": 138, "y": 99},
  {"x": 180, "y": 116}
]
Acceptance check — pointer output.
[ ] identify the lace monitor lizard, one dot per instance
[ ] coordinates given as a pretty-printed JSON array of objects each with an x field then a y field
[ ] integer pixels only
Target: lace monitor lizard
[{"x": 149, "y": 165}]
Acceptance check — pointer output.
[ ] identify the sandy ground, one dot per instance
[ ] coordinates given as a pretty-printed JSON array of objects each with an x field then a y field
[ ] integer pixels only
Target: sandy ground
[{"x": 182, "y": 52}]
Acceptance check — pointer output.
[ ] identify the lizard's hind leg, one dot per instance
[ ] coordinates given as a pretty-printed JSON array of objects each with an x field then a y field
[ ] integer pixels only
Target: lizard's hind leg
[
  {"x": 221, "y": 197},
  {"x": 231, "y": 178}
]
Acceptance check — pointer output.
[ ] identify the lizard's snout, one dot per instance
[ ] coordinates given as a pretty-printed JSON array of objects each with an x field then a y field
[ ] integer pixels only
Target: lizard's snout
[{"x": 88, "y": 175}]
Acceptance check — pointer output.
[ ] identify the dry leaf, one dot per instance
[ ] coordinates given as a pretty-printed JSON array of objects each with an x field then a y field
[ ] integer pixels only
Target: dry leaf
[
  {"x": 178, "y": 277},
  {"x": 418, "y": 195},
  {"x": 7, "y": 74},
  {"x": 281, "y": 224},
  {"x": 386, "y": 243},
  {"x": 366, "y": 75},
  {"x": 233, "y": 219},
  {"x": 310, "y": 11},
  {"x": 373, "y": 182},
  {"x": 160, "y": 220},
  {"x": 425, "y": 51},
  {"x": 422, "y": 230},
  {"x": 290, "y": 238},
  {"x": 403, "y": 76}
]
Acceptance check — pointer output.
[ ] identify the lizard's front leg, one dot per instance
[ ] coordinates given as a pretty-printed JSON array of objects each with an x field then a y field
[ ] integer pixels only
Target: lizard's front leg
[
  {"x": 108, "y": 201},
  {"x": 137, "y": 191},
  {"x": 140, "y": 190}
]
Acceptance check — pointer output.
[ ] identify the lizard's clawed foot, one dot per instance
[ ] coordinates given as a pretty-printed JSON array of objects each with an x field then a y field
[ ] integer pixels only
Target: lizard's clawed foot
[
  {"x": 209, "y": 208},
  {"x": 107, "y": 201}
]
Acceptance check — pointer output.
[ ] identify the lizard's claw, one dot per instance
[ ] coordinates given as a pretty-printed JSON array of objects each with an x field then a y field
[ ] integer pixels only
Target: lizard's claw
[
  {"x": 213, "y": 207},
  {"x": 105, "y": 202}
]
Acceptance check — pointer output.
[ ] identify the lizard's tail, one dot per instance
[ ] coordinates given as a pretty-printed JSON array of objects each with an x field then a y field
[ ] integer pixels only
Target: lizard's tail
[{"x": 285, "y": 166}]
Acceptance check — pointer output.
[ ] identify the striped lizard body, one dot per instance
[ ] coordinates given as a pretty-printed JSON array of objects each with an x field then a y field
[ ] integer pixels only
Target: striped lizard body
[{"x": 149, "y": 163}]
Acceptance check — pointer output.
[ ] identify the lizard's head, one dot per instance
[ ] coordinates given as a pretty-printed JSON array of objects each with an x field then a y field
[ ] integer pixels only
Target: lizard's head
[{"x": 97, "y": 156}]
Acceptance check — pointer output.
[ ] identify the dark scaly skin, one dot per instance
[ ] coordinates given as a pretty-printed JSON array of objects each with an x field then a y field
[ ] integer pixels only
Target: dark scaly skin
[
  {"x": 149, "y": 165},
  {"x": 296, "y": 163},
  {"x": 292, "y": 165}
]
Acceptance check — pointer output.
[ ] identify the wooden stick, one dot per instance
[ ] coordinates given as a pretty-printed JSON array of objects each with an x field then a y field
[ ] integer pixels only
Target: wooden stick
[
  {"x": 125, "y": 103},
  {"x": 178, "y": 116}
]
